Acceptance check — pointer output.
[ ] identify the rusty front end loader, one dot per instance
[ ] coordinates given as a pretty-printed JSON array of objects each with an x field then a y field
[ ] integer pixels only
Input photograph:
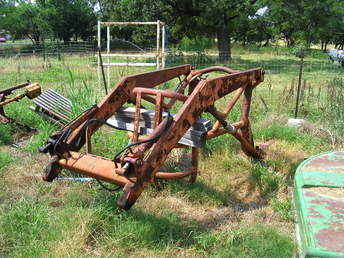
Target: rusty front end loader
[
  {"x": 155, "y": 132},
  {"x": 31, "y": 90}
]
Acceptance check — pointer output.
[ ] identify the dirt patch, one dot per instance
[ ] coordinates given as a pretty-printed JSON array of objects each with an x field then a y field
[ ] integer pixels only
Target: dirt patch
[
  {"x": 245, "y": 192},
  {"x": 245, "y": 203}
]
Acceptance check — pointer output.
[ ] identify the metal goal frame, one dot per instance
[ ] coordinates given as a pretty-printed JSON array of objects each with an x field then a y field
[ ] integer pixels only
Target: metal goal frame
[{"x": 160, "y": 45}]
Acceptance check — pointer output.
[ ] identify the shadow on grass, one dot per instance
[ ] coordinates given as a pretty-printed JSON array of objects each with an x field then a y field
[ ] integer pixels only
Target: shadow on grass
[
  {"x": 15, "y": 132},
  {"x": 32, "y": 228},
  {"x": 168, "y": 232},
  {"x": 137, "y": 229},
  {"x": 292, "y": 170},
  {"x": 198, "y": 192}
]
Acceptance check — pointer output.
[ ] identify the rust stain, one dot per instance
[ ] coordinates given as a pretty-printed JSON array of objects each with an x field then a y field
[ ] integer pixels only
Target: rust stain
[
  {"x": 327, "y": 163},
  {"x": 31, "y": 91},
  {"x": 138, "y": 167},
  {"x": 331, "y": 238},
  {"x": 320, "y": 199}
]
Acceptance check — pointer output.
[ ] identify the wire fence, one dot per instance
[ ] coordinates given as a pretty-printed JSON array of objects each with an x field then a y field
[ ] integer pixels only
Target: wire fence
[
  {"x": 54, "y": 49},
  {"x": 321, "y": 88}
]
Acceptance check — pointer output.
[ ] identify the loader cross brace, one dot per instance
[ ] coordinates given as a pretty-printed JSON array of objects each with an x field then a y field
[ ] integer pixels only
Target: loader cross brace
[{"x": 137, "y": 165}]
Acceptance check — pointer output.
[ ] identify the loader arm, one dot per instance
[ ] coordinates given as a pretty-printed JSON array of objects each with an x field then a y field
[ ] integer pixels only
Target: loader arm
[
  {"x": 203, "y": 96},
  {"x": 119, "y": 95},
  {"x": 137, "y": 165}
]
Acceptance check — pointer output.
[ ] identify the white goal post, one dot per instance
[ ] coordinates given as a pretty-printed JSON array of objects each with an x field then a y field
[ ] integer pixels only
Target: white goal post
[{"x": 160, "y": 46}]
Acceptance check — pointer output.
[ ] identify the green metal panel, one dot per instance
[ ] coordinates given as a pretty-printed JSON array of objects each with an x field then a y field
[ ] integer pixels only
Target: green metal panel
[{"x": 319, "y": 203}]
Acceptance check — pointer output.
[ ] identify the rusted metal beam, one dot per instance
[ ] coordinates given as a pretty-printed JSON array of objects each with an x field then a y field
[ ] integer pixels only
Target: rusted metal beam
[
  {"x": 138, "y": 164},
  {"x": 119, "y": 95},
  {"x": 94, "y": 166},
  {"x": 32, "y": 90},
  {"x": 9, "y": 90}
]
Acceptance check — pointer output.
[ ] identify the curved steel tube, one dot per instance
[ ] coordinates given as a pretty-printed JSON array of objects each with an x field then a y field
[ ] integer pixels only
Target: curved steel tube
[
  {"x": 165, "y": 93},
  {"x": 211, "y": 69}
]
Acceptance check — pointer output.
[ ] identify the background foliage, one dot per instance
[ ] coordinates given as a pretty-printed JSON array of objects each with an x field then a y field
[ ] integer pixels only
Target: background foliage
[{"x": 260, "y": 22}]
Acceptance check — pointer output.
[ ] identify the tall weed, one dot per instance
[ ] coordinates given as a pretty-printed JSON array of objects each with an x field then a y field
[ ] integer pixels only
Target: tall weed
[
  {"x": 334, "y": 105},
  {"x": 5, "y": 160}
]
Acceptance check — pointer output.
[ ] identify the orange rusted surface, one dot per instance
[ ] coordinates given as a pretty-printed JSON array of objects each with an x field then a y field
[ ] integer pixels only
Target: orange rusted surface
[
  {"x": 31, "y": 91},
  {"x": 137, "y": 165},
  {"x": 164, "y": 93},
  {"x": 94, "y": 166}
]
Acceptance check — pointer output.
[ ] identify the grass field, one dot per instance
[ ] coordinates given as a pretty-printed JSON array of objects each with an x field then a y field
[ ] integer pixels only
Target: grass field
[{"x": 235, "y": 209}]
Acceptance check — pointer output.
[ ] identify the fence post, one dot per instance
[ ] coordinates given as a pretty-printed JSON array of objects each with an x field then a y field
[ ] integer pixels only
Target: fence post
[
  {"x": 44, "y": 57},
  {"x": 298, "y": 88},
  {"x": 158, "y": 45},
  {"x": 58, "y": 51}
]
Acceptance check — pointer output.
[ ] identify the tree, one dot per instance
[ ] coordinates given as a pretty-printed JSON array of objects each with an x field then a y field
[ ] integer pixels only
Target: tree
[
  {"x": 301, "y": 20},
  {"x": 69, "y": 18},
  {"x": 335, "y": 26},
  {"x": 62, "y": 19},
  {"x": 213, "y": 18},
  {"x": 255, "y": 29},
  {"x": 24, "y": 20}
]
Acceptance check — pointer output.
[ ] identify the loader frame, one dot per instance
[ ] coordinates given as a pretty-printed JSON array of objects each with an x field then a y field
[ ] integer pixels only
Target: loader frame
[
  {"x": 31, "y": 90},
  {"x": 137, "y": 165}
]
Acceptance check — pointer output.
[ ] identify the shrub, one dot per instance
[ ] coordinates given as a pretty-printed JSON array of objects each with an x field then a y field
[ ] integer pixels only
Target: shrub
[{"x": 197, "y": 44}]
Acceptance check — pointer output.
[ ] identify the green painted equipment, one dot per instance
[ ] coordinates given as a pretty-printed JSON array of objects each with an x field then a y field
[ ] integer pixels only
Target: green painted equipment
[{"x": 319, "y": 203}]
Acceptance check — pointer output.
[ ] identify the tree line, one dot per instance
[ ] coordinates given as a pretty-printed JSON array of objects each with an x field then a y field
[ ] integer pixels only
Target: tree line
[
  {"x": 48, "y": 19},
  {"x": 261, "y": 22}
]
